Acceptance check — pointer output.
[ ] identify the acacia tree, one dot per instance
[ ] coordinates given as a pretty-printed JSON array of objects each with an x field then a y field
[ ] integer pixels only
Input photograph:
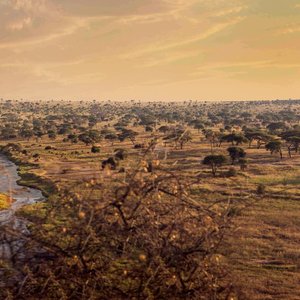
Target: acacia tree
[
  {"x": 276, "y": 127},
  {"x": 292, "y": 138},
  {"x": 178, "y": 135},
  {"x": 234, "y": 138},
  {"x": 128, "y": 134},
  {"x": 257, "y": 135},
  {"x": 236, "y": 153},
  {"x": 184, "y": 138},
  {"x": 214, "y": 161},
  {"x": 26, "y": 133},
  {"x": 8, "y": 132},
  {"x": 112, "y": 137},
  {"x": 210, "y": 136},
  {"x": 275, "y": 147},
  {"x": 90, "y": 137}
]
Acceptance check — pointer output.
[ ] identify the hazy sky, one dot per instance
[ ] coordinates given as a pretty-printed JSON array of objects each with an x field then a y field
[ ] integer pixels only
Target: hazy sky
[{"x": 150, "y": 49}]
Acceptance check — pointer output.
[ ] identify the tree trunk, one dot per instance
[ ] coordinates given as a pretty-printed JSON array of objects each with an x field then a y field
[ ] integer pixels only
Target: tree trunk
[
  {"x": 289, "y": 149},
  {"x": 258, "y": 144},
  {"x": 213, "y": 170}
]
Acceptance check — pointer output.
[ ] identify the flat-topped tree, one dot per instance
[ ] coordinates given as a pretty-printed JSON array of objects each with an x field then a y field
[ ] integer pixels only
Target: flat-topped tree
[
  {"x": 234, "y": 138},
  {"x": 52, "y": 134},
  {"x": 275, "y": 147},
  {"x": 112, "y": 137},
  {"x": 120, "y": 154},
  {"x": 277, "y": 127},
  {"x": 292, "y": 138},
  {"x": 90, "y": 137},
  {"x": 164, "y": 128},
  {"x": 92, "y": 121},
  {"x": 147, "y": 120},
  {"x": 215, "y": 161},
  {"x": 257, "y": 135},
  {"x": 197, "y": 124},
  {"x": 211, "y": 136},
  {"x": 127, "y": 134},
  {"x": 179, "y": 136},
  {"x": 184, "y": 138},
  {"x": 26, "y": 133},
  {"x": 236, "y": 153}
]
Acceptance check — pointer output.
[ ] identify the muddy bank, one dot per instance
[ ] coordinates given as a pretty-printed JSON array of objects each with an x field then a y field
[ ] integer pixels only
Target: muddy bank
[{"x": 21, "y": 195}]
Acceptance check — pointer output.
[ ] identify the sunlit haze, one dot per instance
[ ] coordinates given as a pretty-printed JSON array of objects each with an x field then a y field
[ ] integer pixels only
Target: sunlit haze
[{"x": 150, "y": 49}]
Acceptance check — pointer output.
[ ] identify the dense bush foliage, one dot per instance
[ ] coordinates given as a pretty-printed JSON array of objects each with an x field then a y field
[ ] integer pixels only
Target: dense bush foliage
[{"x": 143, "y": 238}]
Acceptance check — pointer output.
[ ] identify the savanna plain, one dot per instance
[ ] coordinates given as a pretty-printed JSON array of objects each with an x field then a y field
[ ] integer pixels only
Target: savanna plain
[{"x": 153, "y": 200}]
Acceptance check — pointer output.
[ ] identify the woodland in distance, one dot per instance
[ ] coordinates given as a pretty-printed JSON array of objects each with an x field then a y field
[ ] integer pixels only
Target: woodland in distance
[{"x": 152, "y": 200}]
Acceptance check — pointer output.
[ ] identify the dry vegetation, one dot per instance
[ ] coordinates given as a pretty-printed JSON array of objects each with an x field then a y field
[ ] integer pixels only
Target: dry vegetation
[
  {"x": 4, "y": 201},
  {"x": 133, "y": 206}
]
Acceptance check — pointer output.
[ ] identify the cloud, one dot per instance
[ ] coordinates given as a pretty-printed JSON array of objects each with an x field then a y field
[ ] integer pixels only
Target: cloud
[
  {"x": 176, "y": 10},
  {"x": 230, "y": 11},
  {"x": 20, "y": 24},
  {"x": 242, "y": 67},
  {"x": 29, "y": 6},
  {"x": 110, "y": 7},
  {"x": 40, "y": 19},
  {"x": 128, "y": 43},
  {"x": 289, "y": 29},
  {"x": 50, "y": 72},
  {"x": 69, "y": 28},
  {"x": 168, "y": 58},
  {"x": 167, "y": 46}
]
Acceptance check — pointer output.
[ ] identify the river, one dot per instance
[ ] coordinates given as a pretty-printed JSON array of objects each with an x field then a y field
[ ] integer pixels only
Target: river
[{"x": 21, "y": 196}]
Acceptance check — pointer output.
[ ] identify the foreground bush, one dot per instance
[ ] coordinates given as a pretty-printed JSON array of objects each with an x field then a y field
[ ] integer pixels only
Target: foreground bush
[{"x": 145, "y": 237}]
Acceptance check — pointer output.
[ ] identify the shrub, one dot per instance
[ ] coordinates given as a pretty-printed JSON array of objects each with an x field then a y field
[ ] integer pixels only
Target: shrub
[
  {"x": 261, "y": 189},
  {"x": 231, "y": 172},
  {"x": 146, "y": 238},
  {"x": 120, "y": 154},
  {"x": 139, "y": 146},
  {"x": 95, "y": 149},
  {"x": 110, "y": 163}
]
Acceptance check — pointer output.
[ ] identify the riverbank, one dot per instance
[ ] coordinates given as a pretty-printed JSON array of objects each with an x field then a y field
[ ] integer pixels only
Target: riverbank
[{"x": 24, "y": 170}]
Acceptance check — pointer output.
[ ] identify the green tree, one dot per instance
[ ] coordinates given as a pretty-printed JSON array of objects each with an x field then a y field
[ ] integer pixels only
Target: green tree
[
  {"x": 95, "y": 149},
  {"x": 236, "y": 153},
  {"x": 275, "y": 147},
  {"x": 112, "y": 137},
  {"x": 128, "y": 134},
  {"x": 214, "y": 161},
  {"x": 234, "y": 138}
]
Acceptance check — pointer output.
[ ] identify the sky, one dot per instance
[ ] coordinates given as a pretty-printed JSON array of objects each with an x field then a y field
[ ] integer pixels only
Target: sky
[{"x": 150, "y": 49}]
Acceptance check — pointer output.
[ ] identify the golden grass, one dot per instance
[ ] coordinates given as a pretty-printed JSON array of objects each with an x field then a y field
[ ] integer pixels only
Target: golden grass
[
  {"x": 263, "y": 250},
  {"x": 4, "y": 201}
]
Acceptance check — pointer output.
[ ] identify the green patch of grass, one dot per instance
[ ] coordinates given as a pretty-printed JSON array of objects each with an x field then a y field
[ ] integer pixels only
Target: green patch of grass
[
  {"x": 284, "y": 179},
  {"x": 34, "y": 181},
  {"x": 34, "y": 212}
]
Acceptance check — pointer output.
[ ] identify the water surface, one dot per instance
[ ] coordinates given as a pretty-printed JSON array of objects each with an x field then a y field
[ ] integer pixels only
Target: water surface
[{"x": 8, "y": 184}]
